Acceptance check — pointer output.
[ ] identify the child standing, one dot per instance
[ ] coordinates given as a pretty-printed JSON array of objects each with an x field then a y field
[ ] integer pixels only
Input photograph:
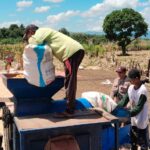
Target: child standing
[
  {"x": 137, "y": 97},
  {"x": 8, "y": 62}
]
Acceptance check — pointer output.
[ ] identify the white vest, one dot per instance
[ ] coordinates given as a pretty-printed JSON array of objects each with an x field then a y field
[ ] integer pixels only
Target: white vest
[{"x": 141, "y": 119}]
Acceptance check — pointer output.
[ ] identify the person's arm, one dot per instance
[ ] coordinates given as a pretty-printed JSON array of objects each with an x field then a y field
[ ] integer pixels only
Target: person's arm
[
  {"x": 124, "y": 101},
  {"x": 114, "y": 90},
  {"x": 124, "y": 88},
  {"x": 40, "y": 36},
  {"x": 137, "y": 109}
]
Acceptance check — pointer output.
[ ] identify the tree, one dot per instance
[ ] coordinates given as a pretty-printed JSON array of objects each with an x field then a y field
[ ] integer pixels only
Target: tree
[
  {"x": 13, "y": 27},
  {"x": 80, "y": 37},
  {"x": 124, "y": 26},
  {"x": 64, "y": 31},
  {"x": 13, "y": 31}
]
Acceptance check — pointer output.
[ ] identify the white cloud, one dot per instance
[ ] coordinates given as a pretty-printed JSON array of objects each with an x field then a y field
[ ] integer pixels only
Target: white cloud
[
  {"x": 37, "y": 22},
  {"x": 98, "y": 9},
  {"x": 22, "y": 4},
  {"x": 121, "y": 3},
  {"x": 41, "y": 9},
  {"x": 95, "y": 26},
  {"x": 7, "y": 24},
  {"x": 91, "y": 24},
  {"x": 145, "y": 14},
  {"x": 53, "y": 1},
  {"x": 54, "y": 19},
  {"x": 101, "y": 9},
  {"x": 92, "y": 19}
]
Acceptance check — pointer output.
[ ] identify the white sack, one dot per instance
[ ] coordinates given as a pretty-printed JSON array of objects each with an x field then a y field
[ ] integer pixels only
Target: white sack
[
  {"x": 38, "y": 65},
  {"x": 98, "y": 99}
]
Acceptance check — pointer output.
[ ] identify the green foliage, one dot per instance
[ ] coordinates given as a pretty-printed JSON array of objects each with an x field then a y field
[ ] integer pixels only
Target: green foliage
[
  {"x": 10, "y": 40},
  {"x": 94, "y": 50},
  {"x": 11, "y": 35},
  {"x": 80, "y": 37},
  {"x": 64, "y": 31},
  {"x": 124, "y": 26},
  {"x": 88, "y": 38},
  {"x": 14, "y": 34}
]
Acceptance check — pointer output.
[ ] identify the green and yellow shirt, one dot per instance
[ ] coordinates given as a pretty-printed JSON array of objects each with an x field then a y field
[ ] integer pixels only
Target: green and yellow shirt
[{"x": 62, "y": 46}]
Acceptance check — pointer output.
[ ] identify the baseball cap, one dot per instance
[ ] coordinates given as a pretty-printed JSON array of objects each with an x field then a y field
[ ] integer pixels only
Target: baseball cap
[
  {"x": 134, "y": 73},
  {"x": 121, "y": 69},
  {"x": 30, "y": 27}
]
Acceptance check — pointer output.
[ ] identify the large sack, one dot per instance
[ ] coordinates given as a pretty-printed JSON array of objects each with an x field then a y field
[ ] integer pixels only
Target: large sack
[
  {"x": 38, "y": 65},
  {"x": 98, "y": 99}
]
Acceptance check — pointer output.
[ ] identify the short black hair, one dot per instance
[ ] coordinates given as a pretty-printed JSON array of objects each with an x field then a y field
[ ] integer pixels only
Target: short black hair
[
  {"x": 134, "y": 73},
  {"x": 28, "y": 28},
  {"x": 31, "y": 27}
]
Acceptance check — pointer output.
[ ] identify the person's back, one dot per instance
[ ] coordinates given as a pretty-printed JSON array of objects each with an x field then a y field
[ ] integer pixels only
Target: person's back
[
  {"x": 62, "y": 46},
  {"x": 68, "y": 51},
  {"x": 141, "y": 119}
]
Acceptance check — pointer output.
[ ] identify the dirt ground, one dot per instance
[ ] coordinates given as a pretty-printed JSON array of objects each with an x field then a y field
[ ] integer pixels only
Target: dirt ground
[
  {"x": 97, "y": 70},
  {"x": 94, "y": 76},
  {"x": 91, "y": 80},
  {"x": 88, "y": 80}
]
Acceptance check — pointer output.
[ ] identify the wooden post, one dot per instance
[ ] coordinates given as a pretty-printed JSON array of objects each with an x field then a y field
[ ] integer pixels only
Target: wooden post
[{"x": 148, "y": 69}]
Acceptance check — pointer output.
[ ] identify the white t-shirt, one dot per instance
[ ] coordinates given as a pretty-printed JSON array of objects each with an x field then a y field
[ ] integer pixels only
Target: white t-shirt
[{"x": 141, "y": 119}]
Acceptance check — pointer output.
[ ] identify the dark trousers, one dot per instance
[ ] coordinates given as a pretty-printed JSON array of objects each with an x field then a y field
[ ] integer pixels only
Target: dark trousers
[
  {"x": 71, "y": 66},
  {"x": 139, "y": 137}
]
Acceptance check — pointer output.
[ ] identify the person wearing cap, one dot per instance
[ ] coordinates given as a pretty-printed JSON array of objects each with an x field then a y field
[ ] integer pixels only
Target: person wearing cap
[
  {"x": 137, "y": 96},
  {"x": 120, "y": 84},
  {"x": 67, "y": 50}
]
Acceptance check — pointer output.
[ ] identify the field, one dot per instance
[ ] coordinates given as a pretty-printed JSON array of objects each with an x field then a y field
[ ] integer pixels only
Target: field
[{"x": 94, "y": 72}]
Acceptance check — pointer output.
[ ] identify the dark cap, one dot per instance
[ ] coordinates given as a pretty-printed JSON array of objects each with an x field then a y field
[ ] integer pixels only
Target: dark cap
[
  {"x": 121, "y": 69},
  {"x": 134, "y": 73},
  {"x": 30, "y": 27}
]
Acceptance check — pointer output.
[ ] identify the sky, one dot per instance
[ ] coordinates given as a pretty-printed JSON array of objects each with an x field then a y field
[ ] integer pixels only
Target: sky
[{"x": 74, "y": 15}]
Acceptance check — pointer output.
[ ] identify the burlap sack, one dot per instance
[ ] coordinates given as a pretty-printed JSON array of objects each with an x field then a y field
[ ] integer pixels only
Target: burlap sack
[{"x": 98, "y": 99}]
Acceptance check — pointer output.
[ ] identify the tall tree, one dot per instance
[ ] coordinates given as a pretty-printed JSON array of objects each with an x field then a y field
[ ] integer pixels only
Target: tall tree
[{"x": 124, "y": 26}]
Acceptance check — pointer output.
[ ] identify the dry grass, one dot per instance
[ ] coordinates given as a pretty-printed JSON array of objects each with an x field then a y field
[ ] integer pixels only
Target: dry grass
[{"x": 112, "y": 59}]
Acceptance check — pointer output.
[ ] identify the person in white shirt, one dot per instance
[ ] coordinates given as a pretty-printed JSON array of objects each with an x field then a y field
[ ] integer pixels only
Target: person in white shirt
[{"x": 137, "y": 96}]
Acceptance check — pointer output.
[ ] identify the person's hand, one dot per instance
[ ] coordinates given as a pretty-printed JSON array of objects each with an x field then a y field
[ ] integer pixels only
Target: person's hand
[{"x": 123, "y": 89}]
